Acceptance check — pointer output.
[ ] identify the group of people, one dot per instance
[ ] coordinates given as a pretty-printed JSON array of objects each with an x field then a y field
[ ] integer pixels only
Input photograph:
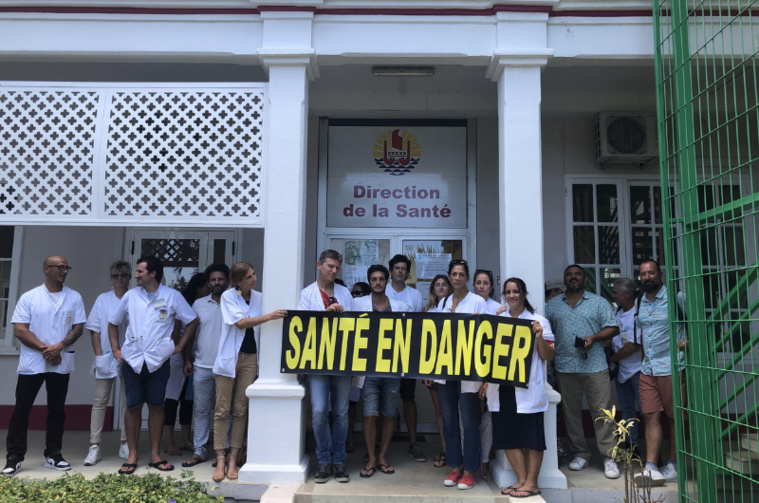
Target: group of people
[
  {"x": 472, "y": 416},
  {"x": 632, "y": 349},
  {"x": 139, "y": 335},
  {"x": 148, "y": 336}
]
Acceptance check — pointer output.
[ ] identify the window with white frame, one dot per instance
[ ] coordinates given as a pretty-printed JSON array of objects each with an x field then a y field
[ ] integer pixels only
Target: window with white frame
[
  {"x": 10, "y": 251},
  {"x": 615, "y": 225}
]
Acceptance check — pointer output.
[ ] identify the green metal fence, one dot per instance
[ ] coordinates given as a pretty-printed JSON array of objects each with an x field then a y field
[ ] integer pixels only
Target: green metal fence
[{"x": 708, "y": 117}]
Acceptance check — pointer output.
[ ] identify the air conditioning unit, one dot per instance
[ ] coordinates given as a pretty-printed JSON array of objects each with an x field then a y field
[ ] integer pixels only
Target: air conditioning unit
[{"x": 626, "y": 138}]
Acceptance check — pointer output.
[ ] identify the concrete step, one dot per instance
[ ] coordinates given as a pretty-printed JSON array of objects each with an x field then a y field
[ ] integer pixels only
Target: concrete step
[
  {"x": 412, "y": 482},
  {"x": 744, "y": 462},
  {"x": 750, "y": 441}
]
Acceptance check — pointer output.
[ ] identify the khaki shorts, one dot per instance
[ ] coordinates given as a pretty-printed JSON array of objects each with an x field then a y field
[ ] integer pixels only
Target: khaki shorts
[{"x": 656, "y": 394}]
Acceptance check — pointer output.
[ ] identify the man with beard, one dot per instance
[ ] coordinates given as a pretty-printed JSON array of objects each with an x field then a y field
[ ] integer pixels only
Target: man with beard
[
  {"x": 152, "y": 309},
  {"x": 656, "y": 373},
  {"x": 581, "y": 322},
  {"x": 379, "y": 393},
  {"x": 204, "y": 350}
]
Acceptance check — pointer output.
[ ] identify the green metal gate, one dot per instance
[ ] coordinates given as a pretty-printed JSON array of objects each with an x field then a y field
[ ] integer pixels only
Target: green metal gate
[{"x": 708, "y": 117}]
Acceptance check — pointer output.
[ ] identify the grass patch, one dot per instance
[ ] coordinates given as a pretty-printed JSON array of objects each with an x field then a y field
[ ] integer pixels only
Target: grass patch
[{"x": 106, "y": 488}]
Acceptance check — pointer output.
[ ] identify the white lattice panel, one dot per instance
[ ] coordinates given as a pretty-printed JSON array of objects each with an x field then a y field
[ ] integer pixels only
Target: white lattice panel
[
  {"x": 47, "y": 146},
  {"x": 184, "y": 153},
  {"x": 131, "y": 155}
]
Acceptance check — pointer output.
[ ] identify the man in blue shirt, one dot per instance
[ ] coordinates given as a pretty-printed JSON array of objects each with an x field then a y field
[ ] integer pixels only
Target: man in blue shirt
[
  {"x": 581, "y": 322},
  {"x": 656, "y": 373}
]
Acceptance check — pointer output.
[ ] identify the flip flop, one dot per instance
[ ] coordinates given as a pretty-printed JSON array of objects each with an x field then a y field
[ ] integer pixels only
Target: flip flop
[
  {"x": 506, "y": 491},
  {"x": 386, "y": 469},
  {"x": 158, "y": 464},
  {"x": 526, "y": 495},
  {"x": 367, "y": 472},
  {"x": 439, "y": 461},
  {"x": 127, "y": 468},
  {"x": 192, "y": 462}
]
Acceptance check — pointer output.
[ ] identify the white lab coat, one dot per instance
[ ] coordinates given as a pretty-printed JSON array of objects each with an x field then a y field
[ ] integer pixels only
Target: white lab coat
[
  {"x": 49, "y": 320},
  {"x": 233, "y": 309}
]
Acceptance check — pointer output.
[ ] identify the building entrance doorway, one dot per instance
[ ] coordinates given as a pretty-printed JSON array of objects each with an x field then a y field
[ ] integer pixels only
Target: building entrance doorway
[{"x": 182, "y": 253}]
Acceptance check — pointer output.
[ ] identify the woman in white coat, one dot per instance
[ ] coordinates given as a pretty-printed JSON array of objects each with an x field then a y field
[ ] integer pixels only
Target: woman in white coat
[
  {"x": 464, "y": 394},
  {"x": 236, "y": 365},
  {"x": 518, "y": 425}
]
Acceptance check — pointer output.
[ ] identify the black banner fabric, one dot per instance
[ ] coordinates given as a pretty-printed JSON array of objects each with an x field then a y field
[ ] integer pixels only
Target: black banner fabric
[{"x": 447, "y": 346}]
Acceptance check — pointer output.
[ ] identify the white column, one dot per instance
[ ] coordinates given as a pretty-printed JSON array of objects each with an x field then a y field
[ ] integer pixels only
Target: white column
[
  {"x": 276, "y": 442},
  {"x": 521, "y": 212}
]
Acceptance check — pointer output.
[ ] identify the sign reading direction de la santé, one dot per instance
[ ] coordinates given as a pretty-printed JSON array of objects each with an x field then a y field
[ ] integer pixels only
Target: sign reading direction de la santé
[
  {"x": 472, "y": 347},
  {"x": 404, "y": 176}
]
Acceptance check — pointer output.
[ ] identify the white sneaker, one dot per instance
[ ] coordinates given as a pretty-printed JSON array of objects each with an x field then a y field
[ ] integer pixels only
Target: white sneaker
[
  {"x": 578, "y": 464},
  {"x": 669, "y": 472},
  {"x": 611, "y": 470},
  {"x": 124, "y": 451},
  {"x": 93, "y": 456},
  {"x": 652, "y": 477}
]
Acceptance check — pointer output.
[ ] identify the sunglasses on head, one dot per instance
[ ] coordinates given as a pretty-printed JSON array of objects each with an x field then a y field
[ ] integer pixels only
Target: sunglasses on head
[{"x": 459, "y": 261}]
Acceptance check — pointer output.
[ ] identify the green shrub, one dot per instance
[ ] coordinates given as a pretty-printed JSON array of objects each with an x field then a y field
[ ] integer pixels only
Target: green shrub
[{"x": 106, "y": 488}]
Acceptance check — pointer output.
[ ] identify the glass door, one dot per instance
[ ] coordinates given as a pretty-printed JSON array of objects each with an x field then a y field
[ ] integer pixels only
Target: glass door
[{"x": 429, "y": 256}]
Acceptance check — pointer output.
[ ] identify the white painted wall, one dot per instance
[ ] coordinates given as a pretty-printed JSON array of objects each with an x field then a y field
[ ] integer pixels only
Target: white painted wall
[{"x": 487, "y": 198}]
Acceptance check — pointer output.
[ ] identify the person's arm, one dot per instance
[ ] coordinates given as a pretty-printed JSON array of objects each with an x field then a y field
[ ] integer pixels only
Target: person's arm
[
  {"x": 627, "y": 350},
  {"x": 251, "y": 322},
  {"x": 113, "y": 338},
  {"x": 27, "y": 338},
  {"x": 176, "y": 334},
  {"x": 606, "y": 333},
  {"x": 483, "y": 390},
  {"x": 545, "y": 350},
  {"x": 96, "y": 346},
  {"x": 188, "y": 335}
]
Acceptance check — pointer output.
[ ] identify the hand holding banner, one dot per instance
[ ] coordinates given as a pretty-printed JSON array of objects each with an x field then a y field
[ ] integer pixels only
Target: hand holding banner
[{"x": 410, "y": 345}]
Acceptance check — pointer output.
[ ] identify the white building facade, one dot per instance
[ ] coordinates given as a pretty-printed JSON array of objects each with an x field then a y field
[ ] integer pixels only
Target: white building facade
[{"x": 514, "y": 134}]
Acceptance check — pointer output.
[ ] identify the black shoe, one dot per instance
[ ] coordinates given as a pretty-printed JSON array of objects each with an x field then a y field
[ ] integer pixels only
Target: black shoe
[
  {"x": 340, "y": 474},
  {"x": 55, "y": 461},
  {"x": 11, "y": 467},
  {"x": 322, "y": 473}
]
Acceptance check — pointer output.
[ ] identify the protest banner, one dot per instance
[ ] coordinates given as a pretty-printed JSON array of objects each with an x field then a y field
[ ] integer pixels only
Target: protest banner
[{"x": 447, "y": 346}]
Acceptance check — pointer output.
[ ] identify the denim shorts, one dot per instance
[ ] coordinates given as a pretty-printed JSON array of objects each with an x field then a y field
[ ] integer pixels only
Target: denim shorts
[
  {"x": 145, "y": 387},
  {"x": 385, "y": 388}
]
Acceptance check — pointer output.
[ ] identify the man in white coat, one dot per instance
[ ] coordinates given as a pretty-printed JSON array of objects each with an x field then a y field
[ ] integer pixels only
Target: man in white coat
[
  {"x": 152, "y": 309},
  {"x": 325, "y": 295},
  {"x": 379, "y": 393},
  {"x": 400, "y": 269},
  {"x": 47, "y": 321}
]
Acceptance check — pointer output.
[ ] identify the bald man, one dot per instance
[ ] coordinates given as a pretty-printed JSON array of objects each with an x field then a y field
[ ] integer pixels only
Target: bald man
[{"x": 47, "y": 321}]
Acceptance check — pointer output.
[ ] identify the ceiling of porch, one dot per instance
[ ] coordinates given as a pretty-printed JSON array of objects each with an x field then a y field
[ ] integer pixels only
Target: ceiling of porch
[{"x": 584, "y": 87}]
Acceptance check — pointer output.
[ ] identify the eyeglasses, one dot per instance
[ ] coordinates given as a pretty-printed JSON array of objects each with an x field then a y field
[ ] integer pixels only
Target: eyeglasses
[
  {"x": 119, "y": 276},
  {"x": 459, "y": 261},
  {"x": 62, "y": 268},
  {"x": 331, "y": 300}
]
